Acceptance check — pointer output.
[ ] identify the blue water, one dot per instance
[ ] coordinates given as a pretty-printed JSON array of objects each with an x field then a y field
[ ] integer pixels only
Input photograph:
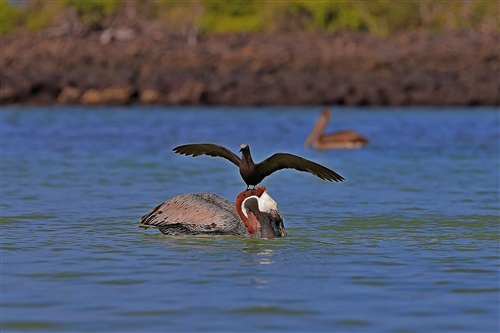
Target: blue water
[{"x": 408, "y": 243}]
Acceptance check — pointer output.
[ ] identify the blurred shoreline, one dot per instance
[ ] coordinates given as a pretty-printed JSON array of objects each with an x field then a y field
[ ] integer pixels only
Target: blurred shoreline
[{"x": 121, "y": 66}]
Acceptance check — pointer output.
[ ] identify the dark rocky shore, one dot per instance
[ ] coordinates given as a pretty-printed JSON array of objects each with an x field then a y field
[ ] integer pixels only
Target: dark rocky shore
[{"x": 122, "y": 67}]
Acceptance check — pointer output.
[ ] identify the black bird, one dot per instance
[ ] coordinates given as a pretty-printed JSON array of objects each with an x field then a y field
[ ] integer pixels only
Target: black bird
[{"x": 252, "y": 173}]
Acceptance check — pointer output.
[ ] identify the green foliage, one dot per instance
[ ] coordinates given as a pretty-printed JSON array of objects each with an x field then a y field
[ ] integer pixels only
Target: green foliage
[
  {"x": 232, "y": 15},
  {"x": 39, "y": 17},
  {"x": 327, "y": 15},
  {"x": 378, "y": 16},
  {"x": 92, "y": 11},
  {"x": 9, "y": 17}
]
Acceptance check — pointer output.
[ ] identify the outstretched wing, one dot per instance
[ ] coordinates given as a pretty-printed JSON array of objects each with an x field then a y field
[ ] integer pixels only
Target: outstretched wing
[
  {"x": 288, "y": 161},
  {"x": 209, "y": 149}
]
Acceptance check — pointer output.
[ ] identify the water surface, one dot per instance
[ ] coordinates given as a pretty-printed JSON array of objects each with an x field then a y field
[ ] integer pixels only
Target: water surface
[{"x": 408, "y": 243}]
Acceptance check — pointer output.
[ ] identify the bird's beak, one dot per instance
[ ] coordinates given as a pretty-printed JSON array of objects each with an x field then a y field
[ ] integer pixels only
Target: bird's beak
[
  {"x": 240, "y": 150},
  {"x": 277, "y": 224}
]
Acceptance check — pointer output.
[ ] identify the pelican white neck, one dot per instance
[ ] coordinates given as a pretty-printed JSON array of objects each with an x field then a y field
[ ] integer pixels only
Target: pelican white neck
[{"x": 265, "y": 202}]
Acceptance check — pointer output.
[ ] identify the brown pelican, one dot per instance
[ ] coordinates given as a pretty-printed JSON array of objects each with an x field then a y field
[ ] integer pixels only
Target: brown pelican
[
  {"x": 256, "y": 215},
  {"x": 345, "y": 139},
  {"x": 252, "y": 173}
]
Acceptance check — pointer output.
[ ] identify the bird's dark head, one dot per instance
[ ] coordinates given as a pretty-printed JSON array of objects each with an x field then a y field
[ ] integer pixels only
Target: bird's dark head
[
  {"x": 276, "y": 223},
  {"x": 244, "y": 148}
]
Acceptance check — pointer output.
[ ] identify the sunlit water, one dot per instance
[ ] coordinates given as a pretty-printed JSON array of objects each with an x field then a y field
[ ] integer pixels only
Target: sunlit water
[{"x": 408, "y": 243}]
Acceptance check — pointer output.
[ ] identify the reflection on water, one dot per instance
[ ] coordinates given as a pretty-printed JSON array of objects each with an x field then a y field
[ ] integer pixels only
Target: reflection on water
[
  {"x": 408, "y": 242},
  {"x": 263, "y": 257}
]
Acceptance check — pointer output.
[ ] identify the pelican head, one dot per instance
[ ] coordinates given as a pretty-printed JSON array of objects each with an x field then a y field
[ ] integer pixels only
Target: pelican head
[{"x": 260, "y": 213}]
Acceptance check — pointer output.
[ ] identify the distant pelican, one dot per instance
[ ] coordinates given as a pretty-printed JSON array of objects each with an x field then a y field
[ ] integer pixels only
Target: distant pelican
[
  {"x": 256, "y": 215},
  {"x": 252, "y": 173},
  {"x": 345, "y": 139}
]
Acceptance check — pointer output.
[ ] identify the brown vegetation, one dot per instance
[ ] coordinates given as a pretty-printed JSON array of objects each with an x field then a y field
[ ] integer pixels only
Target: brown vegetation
[{"x": 123, "y": 66}]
